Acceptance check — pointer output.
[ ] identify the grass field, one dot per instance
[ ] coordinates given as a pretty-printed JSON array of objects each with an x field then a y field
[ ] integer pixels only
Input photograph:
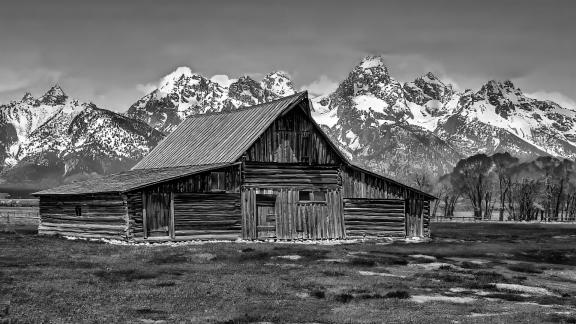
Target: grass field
[{"x": 469, "y": 273}]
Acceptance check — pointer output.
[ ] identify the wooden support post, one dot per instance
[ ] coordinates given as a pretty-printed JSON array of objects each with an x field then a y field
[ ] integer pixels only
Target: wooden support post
[
  {"x": 144, "y": 227},
  {"x": 171, "y": 229}
]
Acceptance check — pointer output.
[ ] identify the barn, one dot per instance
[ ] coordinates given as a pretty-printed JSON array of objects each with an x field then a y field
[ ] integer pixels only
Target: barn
[{"x": 263, "y": 172}]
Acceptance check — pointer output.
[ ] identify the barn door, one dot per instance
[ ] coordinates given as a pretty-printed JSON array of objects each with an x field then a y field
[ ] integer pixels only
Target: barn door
[
  {"x": 266, "y": 216},
  {"x": 312, "y": 221},
  {"x": 158, "y": 216},
  {"x": 414, "y": 218}
]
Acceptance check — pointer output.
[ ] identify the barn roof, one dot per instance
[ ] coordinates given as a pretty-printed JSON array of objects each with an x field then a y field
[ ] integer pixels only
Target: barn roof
[
  {"x": 217, "y": 137},
  {"x": 128, "y": 180}
]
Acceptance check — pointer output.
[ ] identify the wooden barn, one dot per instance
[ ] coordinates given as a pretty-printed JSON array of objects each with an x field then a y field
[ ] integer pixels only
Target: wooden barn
[{"x": 264, "y": 172}]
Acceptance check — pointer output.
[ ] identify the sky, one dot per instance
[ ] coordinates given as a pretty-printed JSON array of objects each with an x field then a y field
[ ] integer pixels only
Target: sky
[{"x": 112, "y": 52}]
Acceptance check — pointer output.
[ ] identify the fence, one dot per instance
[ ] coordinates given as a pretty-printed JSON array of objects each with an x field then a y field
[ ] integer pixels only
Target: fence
[
  {"x": 19, "y": 218},
  {"x": 468, "y": 217}
]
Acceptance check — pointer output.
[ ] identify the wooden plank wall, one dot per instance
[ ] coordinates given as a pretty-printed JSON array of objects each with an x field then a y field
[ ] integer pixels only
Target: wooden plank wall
[
  {"x": 102, "y": 216},
  {"x": 358, "y": 184},
  {"x": 295, "y": 176},
  {"x": 295, "y": 220},
  {"x": 374, "y": 217},
  {"x": 292, "y": 138},
  {"x": 199, "y": 183},
  {"x": 210, "y": 215}
]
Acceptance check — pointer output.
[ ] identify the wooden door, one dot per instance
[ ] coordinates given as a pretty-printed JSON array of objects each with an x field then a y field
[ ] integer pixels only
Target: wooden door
[
  {"x": 313, "y": 221},
  {"x": 158, "y": 219},
  {"x": 266, "y": 216},
  {"x": 414, "y": 218}
]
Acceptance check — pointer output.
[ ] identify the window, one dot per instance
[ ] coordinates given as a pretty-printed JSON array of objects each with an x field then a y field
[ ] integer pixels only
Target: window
[
  {"x": 78, "y": 210},
  {"x": 217, "y": 181},
  {"x": 315, "y": 196}
]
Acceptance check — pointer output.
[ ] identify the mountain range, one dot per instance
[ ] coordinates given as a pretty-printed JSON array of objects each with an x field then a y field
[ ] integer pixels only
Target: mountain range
[{"x": 399, "y": 129}]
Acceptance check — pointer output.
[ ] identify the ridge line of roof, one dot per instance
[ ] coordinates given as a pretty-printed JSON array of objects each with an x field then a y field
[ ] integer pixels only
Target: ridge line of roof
[{"x": 215, "y": 113}]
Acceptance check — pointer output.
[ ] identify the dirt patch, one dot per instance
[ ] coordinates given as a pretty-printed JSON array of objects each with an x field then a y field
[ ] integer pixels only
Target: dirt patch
[
  {"x": 381, "y": 274},
  {"x": 524, "y": 289},
  {"x": 289, "y": 257},
  {"x": 449, "y": 299}
]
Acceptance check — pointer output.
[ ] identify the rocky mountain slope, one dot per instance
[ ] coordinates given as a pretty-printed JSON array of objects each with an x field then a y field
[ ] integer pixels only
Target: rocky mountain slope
[
  {"x": 426, "y": 126},
  {"x": 183, "y": 93},
  {"x": 399, "y": 129},
  {"x": 56, "y": 137}
]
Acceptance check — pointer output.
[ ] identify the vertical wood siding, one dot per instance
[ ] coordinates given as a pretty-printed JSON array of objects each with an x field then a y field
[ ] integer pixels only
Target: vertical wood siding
[
  {"x": 295, "y": 219},
  {"x": 102, "y": 216},
  {"x": 292, "y": 138}
]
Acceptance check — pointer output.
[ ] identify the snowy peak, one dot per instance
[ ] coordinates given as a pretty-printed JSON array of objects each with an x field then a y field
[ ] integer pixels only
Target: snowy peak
[
  {"x": 426, "y": 88},
  {"x": 54, "y": 96},
  {"x": 371, "y": 69},
  {"x": 278, "y": 83},
  {"x": 28, "y": 98},
  {"x": 181, "y": 77},
  {"x": 184, "y": 93}
]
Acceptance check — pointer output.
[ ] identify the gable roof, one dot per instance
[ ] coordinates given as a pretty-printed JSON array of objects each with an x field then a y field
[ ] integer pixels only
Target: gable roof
[
  {"x": 217, "y": 137},
  {"x": 128, "y": 180}
]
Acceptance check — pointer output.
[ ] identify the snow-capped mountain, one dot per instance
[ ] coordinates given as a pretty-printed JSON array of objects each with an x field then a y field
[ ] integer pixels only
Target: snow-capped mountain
[
  {"x": 183, "y": 93},
  {"x": 426, "y": 124},
  {"x": 67, "y": 137}
]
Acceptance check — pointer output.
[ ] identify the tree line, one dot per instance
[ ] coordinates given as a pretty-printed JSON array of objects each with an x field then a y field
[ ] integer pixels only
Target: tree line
[{"x": 543, "y": 189}]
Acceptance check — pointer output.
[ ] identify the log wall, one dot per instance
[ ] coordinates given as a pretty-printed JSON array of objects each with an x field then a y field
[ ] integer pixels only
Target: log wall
[
  {"x": 265, "y": 175},
  {"x": 359, "y": 184},
  {"x": 102, "y": 216},
  {"x": 211, "y": 215},
  {"x": 292, "y": 138},
  {"x": 374, "y": 217}
]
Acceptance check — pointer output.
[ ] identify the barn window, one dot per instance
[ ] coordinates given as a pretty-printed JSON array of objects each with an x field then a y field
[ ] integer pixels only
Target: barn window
[
  {"x": 217, "y": 182},
  {"x": 316, "y": 196},
  {"x": 78, "y": 210}
]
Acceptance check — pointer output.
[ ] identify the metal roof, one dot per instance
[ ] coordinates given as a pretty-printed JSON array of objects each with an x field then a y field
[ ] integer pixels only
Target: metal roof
[
  {"x": 217, "y": 137},
  {"x": 128, "y": 180}
]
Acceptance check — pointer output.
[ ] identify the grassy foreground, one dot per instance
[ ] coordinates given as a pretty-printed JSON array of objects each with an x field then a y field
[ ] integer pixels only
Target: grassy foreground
[{"x": 469, "y": 273}]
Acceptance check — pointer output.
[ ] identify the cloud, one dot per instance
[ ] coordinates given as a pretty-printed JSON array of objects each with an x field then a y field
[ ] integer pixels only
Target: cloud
[
  {"x": 555, "y": 96},
  {"x": 146, "y": 88},
  {"x": 321, "y": 86},
  {"x": 13, "y": 80},
  {"x": 222, "y": 80}
]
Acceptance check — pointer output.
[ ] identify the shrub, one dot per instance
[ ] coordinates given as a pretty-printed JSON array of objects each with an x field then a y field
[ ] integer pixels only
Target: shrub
[{"x": 399, "y": 294}]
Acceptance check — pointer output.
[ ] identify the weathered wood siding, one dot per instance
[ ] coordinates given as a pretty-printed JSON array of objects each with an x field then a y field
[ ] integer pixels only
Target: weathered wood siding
[
  {"x": 359, "y": 184},
  {"x": 295, "y": 219},
  {"x": 210, "y": 215},
  {"x": 374, "y": 217},
  {"x": 220, "y": 181},
  {"x": 101, "y": 216},
  {"x": 292, "y": 138},
  {"x": 286, "y": 175}
]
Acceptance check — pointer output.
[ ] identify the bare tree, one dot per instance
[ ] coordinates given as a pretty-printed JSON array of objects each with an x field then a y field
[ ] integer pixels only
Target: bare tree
[{"x": 473, "y": 177}]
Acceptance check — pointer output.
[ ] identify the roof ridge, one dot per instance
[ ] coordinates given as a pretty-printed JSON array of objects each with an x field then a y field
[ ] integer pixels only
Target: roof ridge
[{"x": 246, "y": 108}]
